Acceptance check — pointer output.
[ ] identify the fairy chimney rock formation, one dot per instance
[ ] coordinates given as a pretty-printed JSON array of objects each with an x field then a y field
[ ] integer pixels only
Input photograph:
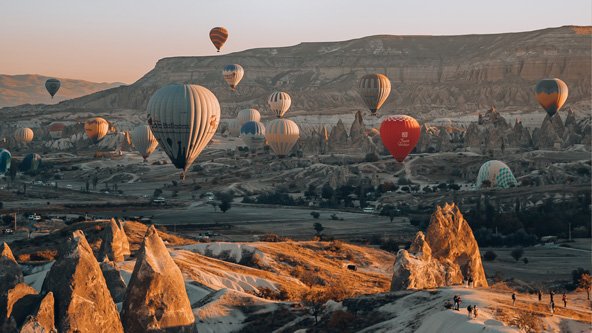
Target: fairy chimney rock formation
[
  {"x": 82, "y": 300},
  {"x": 156, "y": 300},
  {"x": 446, "y": 255},
  {"x": 115, "y": 245},
  {"x": 10, "y": 272}
]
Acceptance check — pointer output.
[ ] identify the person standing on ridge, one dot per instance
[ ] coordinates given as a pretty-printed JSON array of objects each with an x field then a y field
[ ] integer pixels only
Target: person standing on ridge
[
  {"x": 513, "y": 299},
  {"x": 552, "y": 306},
  {"x": 470, "y": 310},
  {"x": 470, "y": 282},
  {"x": 475, "y": 311},
  {"x": 540, "y": 295},
  {"x": 551, "y": 294},
  {"x": 564, "y": 299},
  {"x": 458, "y": 302},
  {"x": 455, "y": 299}
]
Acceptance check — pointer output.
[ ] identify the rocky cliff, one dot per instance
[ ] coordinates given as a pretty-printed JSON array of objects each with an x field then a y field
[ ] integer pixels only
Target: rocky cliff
[{"x": 446, "y": 255}]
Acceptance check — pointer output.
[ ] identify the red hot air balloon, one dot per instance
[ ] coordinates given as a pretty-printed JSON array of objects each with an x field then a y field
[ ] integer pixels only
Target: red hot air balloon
[
  {"x": 399, "y": 134},
  {"x": 218, "y": 36}
]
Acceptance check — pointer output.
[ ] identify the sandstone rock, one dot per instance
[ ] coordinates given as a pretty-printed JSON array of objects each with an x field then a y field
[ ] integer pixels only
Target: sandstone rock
[
  {"x": 114, "y": 280},
  {"x": 338, "y": 136},
  {"x": 20, "y": 293},
  {"x": 357, "y": 132},
  {"x": 42, "y": 317},
  {"x": 115, "y": 245},
  {"x": 82, "y": 300},
  {"x": 10, "y": 271},
  {"x": 447, "y": 255},
  {"x": 156, "y": 299}
]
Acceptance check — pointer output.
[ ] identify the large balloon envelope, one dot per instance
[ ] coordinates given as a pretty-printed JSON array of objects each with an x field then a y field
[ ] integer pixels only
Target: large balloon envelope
[
  {"x": 233, "y": 74},
  {"x": 52, "y": 86},
  {"x": 279, "y": 103},
  {"x": 183, "y": 118},
  {"x": 253, "y": 134},
  {"x": 551, "y": 94},
  {"x": 144, "y": 140},
  {"x": 281, "y": 135},
  {"x": 496, "y": 174},
  {"x": 30, "y": 163},
  {"x": 399, "y": 134},
  {"x": 23, "y": 135},
  {"x": 96, "y": 128},
  {"x": 218, "y": 36},
  {"x": 247, "y": 115},
  {"x": 374, "y": 89},
  {"x": 5, "y": 158}
]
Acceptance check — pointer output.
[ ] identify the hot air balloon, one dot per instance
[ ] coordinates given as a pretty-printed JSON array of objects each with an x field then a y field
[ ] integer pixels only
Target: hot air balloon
[
  {"x": 374, "y": 89},
  {"x": 282, "y": 134},
  {"x": 496, "y": 174},
  {"x": 30, "y": 163},
  {"x": 56, "y": 130},
  {"x": 144, "y": 140},
  {"x": 183, "y": 118},
  {"x": 23, "y": 135},
  {"x": 233, "y": 127},
  {"x": 5, "y": 158},
  {"x": 52, "y": 86},
  {"x": 253, "y": 134},
  {"x": 399, "y": 134},
  {"x": 233, "y": 74},
  {"x": 551, "y": 94},
  {"x": 279, "y": 103},
  {"x": 218, "y": 36},
  {"x": 96, "y": 128},
  {"x": 247, "y": 115}
]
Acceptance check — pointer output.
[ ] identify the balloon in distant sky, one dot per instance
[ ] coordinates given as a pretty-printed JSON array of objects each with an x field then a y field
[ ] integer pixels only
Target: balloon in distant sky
[
  {"x": 495, "y": 173},
  {"x": 56, "y": 130},
  {"x": 374, "y": 89},
  {"x": 253, "y": 134},
  {"x": 279, "y": 103},
  {"x": 233, "y": 74},
  {"x": 399, "y": 134},
  {"x": 23, "y": 135},
  {"x": 281, "y": 135},
  {"x": 52, "y": 86},
  {"x": 96, "y": 128},
  {"x": 247, "y": 115},
  {"x": 5, "y": 158},
  {"x": 183, "y": 118},
  {"x": 144, "y": 140},
  {"x": 218, "y": 36},
  {"x": 551, "y": 94},
  {"x": 30, "y": 163}
]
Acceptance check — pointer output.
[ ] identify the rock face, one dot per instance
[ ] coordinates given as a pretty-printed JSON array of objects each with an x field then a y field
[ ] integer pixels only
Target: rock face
[
  {"x": 82, "y": 300},
  {"x": 156, "y": 300},
  {"x": 445, "y": 256},
  {"x": 338, "y": 136},
  {"x": 21, "y": 307},
  {"x": 115, "y": 245},
  {"x": 10, "y": 272},
  {"x": 114, "y": 281},
  {"x": 42, "y": 318}
]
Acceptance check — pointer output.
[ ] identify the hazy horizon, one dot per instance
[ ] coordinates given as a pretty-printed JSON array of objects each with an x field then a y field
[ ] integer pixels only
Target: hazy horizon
[{"x": 110, "y": 41}]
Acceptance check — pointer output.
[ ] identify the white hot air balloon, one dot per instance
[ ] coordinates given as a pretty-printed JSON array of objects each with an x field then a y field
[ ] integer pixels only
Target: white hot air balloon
[
  {"x": 23, "y": 135},
  {"x": 233, "y": 74},
  {"x": 144, "y": 140},
  {"x": 247, "y": 115},
  {"x": 233, "y": 127},
  {"x": 281, "y": 135},
  {"x": 183, "y": 118},
  {"x": 279, "y": 103},
  {"x": 253, "y": 135}
]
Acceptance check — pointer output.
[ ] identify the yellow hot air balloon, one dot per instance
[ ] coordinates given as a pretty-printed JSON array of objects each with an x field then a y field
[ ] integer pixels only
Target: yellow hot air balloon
[
  {"x": 247, "y": 115},
  {"x": 144, "y": 140},
  {"x": 183, "y": 118},
  {"x": 281, "y": 135},
  {"x": 374, "y": 89},
  {"x": 551, "y": 94},
  {"x": 279, "y": 103},
  {"x": 23, "y": 135},
  {"x": 96, "y": 128},
  {"x": 233, "y": 74}
]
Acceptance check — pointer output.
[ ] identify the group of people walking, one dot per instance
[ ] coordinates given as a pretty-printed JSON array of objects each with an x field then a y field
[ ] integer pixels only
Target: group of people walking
[{"x": 551, "y": 299}]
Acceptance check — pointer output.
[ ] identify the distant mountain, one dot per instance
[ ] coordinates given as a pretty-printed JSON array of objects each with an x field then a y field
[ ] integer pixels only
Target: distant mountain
[
  {"x": 432, "y": 76},
  {"x": 30, "y": 89}
]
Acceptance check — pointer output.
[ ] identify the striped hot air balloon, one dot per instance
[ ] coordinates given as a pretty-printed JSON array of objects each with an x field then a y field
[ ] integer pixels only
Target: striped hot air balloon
[
  {"x": 551, "y": 94},
  {"x": 374, "y": 89},
  {"x": 23, "y": 135},
  {"x": 233, "y": 74},
  {"x": 233, "y": 127},
  {"x": 247, "y": 115},
  {"x": 52, "y": 86},
  {"x": 183, "y": 118},
  {"x": 279, "y": 103},
  {"x": 253, "y": 134},
  {"x": 218, "y": 36},
  {"x": 144, "y": 140},
  {"x": 281, "y": 135},
  {"x": 5, "y": 158},
  {"x": 399, "y": 134},
  {"x": 496, "y": 174},
  {"x": 96, "y": 128}
]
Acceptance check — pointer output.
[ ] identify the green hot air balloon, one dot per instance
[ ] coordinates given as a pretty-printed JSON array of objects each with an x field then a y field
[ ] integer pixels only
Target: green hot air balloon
[
  {"x": 495, "y": 174},
  {"x": 5, "y": 158}
]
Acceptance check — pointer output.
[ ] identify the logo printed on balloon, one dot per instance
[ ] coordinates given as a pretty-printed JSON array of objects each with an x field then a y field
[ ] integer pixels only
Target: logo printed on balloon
[{"x": 399, "y": 134}]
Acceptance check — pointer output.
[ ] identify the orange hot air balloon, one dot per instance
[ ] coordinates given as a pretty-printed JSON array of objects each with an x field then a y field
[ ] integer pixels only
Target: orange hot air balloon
[
  {"x": 399, "y": 134},
  {"x": 218, "y": 36},
  {"x": 551, "y": 94},
  {"x": 96, "y": 128}
]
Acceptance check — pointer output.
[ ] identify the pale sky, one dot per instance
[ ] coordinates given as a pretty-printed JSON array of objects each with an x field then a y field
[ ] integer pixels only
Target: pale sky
[{"x": 121, "y": 40}]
